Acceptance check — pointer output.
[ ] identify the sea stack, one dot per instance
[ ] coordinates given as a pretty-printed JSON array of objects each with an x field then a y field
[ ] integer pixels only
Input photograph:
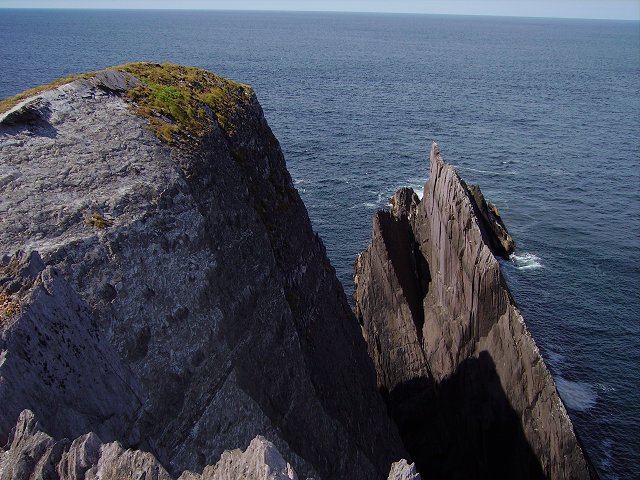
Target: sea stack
[
  {"x": 164, "y": 297},
  {"x": 461, "y": 373}
]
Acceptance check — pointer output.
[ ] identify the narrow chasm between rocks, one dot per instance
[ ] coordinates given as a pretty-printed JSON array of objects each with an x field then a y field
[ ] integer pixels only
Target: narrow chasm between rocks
[{"x": 410, "y": 266}]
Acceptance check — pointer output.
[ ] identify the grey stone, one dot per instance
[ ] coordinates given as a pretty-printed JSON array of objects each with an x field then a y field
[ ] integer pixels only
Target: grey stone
[
  {"x": 203, "y": 276},
  {"x": 260, "y": 461},
  {"x": 54, "y": 360},
  {"x": 402, "y": 470}
]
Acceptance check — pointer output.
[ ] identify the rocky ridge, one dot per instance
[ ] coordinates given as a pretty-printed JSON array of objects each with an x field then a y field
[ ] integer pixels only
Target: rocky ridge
[
  {"x": 463, "y": 377},
  {"x": 163, "y": 288}
]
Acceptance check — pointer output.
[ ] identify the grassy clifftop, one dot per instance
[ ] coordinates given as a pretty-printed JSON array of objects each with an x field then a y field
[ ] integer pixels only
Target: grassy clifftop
[{"x": 176, "y": 99}]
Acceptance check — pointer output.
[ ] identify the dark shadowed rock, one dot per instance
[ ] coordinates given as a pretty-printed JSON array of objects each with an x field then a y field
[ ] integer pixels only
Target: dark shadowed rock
[
  {"x": 497, "y": 237},
  {"x": 463, "y": 377},
  {"x": 192, "y": 260}
]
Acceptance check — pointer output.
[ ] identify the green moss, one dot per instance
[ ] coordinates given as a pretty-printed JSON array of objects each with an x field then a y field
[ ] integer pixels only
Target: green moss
[{"x": 175, "y": 99}]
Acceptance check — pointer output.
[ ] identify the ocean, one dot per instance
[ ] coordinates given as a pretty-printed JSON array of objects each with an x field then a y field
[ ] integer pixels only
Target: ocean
[{"x": 544, "y": 114}]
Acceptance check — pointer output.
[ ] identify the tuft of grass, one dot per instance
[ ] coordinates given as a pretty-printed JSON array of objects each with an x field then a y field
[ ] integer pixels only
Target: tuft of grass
[
  {"x": 176, "y": 99},
  {"x": 8, "y": 306},
  {"x": 98, "y": 220}
]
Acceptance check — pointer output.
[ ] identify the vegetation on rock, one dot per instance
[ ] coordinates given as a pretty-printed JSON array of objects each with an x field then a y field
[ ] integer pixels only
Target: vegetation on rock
[
  {"x": 8, "y": 306},
  {"x": 98, "y": 220},
  {"x": 177, "y": 100}
]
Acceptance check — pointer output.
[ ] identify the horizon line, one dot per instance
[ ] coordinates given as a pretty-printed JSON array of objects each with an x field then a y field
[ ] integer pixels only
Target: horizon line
[{"x": 277, "y": 10}]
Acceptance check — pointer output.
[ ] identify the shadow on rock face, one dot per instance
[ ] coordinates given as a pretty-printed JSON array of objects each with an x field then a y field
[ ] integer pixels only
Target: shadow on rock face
[
  {"x": 463, "y": 427},
  {"x": 33, "y": 115},
  {"x": 410, "y": 266}
]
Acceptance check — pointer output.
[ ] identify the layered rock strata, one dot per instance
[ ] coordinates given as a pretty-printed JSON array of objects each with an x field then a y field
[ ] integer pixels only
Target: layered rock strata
[
  {"x": 180, "y": 302},
  {"x": 463, "y": 377}
]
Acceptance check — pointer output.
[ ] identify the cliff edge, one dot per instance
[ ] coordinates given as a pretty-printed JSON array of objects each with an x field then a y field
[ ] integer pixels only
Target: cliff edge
[
  {"x": 462, "y": 375},
  {"x": 163, "y": 289}
]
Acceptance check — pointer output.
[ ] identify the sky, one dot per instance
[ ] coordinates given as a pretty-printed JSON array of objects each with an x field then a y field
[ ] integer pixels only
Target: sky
[{"x": 609, "y": 9}]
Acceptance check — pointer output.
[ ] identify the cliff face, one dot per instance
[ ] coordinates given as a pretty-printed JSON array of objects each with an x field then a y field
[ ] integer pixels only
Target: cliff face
[
  {"x": 180, "y": 302},
  {"x": 463, "y": 377}
]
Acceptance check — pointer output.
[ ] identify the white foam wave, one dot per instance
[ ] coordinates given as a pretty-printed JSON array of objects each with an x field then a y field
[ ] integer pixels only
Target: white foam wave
[
  {"x": 526, "y": 261},
  {"x": 580, "y": 396},
  {"x": 370, "y": 205}
]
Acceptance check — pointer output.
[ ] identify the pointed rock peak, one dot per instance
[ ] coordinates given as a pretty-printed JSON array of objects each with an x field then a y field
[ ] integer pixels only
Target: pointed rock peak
[
  {"x": 439, "y": 167},
  {"x": 494, "y": 231},
  {"x": 435, "y": 152},
  {"x": 404, "y": 202},
  {"x": 402, "y": 470}
]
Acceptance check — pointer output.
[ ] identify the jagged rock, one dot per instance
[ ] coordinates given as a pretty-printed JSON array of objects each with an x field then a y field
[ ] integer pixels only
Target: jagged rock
[
  {"x": 463, "y": 377},
  {"x": 194, "y": 258},
  {"x": 403, "y": 471},
  {"x": 260, "y": 461},
  {"x": 498, "y": 238},
  {"x": 32, "y": 453}
]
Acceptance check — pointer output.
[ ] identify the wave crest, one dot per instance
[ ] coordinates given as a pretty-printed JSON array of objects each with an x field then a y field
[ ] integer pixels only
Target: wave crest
[{"x": 526, "y": 261}]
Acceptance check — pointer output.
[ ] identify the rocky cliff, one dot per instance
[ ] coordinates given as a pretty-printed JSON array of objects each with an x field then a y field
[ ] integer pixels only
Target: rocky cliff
[
  {"x": 462, "y": 375},
  {"x": 163, "y": 297}
]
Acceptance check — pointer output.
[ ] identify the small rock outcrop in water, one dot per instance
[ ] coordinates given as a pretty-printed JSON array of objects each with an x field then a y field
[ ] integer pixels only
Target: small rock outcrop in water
[
  {"x": 463, "y": 377},
  {"x": 179, "y": 303}
]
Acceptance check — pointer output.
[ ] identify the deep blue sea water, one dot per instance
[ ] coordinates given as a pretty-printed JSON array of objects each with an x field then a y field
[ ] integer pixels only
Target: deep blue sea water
[{"x": 544, "y": 114}]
